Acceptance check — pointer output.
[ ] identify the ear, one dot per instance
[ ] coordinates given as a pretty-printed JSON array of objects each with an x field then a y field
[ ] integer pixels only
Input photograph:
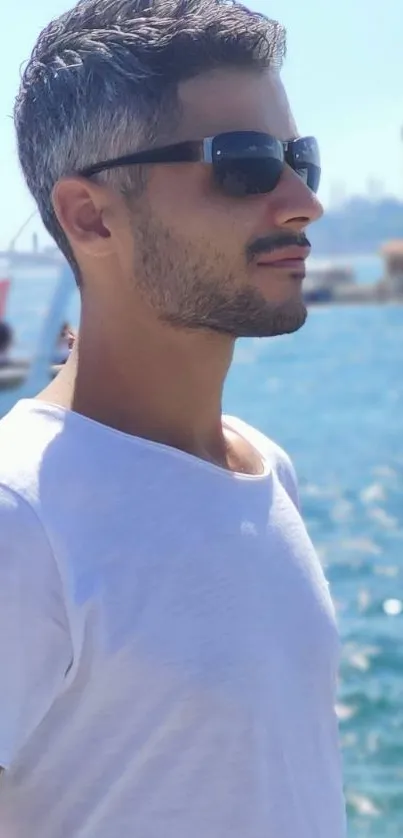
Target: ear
[{"x": 81, "y": 208}]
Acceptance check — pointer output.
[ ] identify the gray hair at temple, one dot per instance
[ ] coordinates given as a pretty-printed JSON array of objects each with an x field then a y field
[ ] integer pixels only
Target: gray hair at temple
[{"x": 102, "y": 81}]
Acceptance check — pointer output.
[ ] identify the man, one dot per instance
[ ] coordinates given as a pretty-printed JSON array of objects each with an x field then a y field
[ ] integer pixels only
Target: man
[{"x": 168, "y": 646}]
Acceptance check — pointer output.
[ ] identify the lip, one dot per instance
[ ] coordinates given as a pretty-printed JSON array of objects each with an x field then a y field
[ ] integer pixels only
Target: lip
[
  {"x": 290, "y": 257},
  {"x": 297, "y": 265}
]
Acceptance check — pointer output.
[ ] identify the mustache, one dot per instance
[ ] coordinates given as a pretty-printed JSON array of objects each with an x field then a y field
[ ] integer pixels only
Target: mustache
[{"x": 275, "y": 241}]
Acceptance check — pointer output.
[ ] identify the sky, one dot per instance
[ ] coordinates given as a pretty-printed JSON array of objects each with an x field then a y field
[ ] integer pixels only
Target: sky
[{"x": 343, "y": 73}]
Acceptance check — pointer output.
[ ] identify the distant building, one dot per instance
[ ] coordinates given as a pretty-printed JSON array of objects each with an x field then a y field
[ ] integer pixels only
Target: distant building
[
  {"x": 337, "y": 195},
  {"x": 375, "y": 189}
]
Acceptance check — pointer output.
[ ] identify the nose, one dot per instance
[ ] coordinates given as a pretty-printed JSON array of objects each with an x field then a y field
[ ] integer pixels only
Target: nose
[{"x": 293, "y": 204}]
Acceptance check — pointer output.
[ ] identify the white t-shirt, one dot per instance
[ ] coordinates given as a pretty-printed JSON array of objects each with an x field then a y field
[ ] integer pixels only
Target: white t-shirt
[{"x": 168, "y": 647}]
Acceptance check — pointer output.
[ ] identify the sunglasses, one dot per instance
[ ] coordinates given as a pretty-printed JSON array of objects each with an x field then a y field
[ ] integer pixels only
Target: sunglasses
[{"x": 243, "y": 162}]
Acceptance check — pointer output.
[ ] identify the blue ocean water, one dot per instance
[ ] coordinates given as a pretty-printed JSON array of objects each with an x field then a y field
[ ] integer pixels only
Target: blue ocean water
[{"x": 332, "y": 395}]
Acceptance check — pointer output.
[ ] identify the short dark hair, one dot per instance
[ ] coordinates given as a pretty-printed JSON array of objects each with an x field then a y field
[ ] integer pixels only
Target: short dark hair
[{"x": 102, "y": 78}]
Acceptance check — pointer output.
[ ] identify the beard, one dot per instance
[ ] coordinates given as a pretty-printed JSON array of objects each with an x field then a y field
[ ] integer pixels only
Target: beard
[{"x": 193, "y": 286}]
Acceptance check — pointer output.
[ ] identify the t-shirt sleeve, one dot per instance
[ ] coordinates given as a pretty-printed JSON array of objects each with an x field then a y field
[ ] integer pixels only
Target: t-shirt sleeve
[{"x": 35, "y": 644}]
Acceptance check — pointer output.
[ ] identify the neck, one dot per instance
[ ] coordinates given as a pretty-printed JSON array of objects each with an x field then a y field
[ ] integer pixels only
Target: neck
[{"x": 149, "y": 380}]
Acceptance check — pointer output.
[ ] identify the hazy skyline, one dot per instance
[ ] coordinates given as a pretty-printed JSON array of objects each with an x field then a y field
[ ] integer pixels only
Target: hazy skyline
[{"x": 343, "y": 73}]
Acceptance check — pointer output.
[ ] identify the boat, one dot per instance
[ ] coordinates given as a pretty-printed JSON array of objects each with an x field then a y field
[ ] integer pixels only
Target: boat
[
  {"x": 327, "y": 282},
  {"x": 391, "y": 285},
  {"x": 23, "y": 374},
  {"x": 13, "y": 375}
]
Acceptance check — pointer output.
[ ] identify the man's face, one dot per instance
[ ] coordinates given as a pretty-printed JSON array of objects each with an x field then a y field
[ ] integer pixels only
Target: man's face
[{"x": 194, "y": 253}]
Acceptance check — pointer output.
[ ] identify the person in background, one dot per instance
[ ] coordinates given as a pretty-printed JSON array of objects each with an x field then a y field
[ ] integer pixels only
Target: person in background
[
  {"x": 168, "y": 644},
  {"x": 71, "y": 338},
  {"x": 64, "y": 344},
  {"x": 6, "y": 343}
]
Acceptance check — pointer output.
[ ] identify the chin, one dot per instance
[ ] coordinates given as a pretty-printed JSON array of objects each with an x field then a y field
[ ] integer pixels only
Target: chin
[
  {"x": 272, "y": 320},
  {"x": 287, "y": 319}
]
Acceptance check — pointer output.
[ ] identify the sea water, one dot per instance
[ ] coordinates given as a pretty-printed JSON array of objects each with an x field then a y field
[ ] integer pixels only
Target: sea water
[{"x": 332, "y": 395}]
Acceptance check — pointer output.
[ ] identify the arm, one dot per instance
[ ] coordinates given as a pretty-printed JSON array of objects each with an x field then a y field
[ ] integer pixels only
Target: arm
[{"x": 35, "y": 647}]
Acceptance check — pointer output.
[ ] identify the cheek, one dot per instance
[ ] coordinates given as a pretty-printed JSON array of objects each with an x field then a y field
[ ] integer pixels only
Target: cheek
[{"x": 188, "y": 200}]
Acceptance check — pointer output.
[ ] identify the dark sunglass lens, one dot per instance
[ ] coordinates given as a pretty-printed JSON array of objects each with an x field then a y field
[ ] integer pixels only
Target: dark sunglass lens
[
  {"x": 247, "y": 177},
  {"x": 303, "y": 156},
  {"x": 247, "y": 163},
  {"x": 310, "y": 174},
  {"x": 313, "y": 177}
]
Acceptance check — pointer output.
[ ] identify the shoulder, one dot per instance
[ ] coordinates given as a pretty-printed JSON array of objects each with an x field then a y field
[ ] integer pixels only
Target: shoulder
[
  {"x": 29, "y": 568},
  {"x": 24, "y": 542},
  {"x": 26, "y": 433},
  {"x": 277, "y": 460},
  {"x": 25, "y": 551}
]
